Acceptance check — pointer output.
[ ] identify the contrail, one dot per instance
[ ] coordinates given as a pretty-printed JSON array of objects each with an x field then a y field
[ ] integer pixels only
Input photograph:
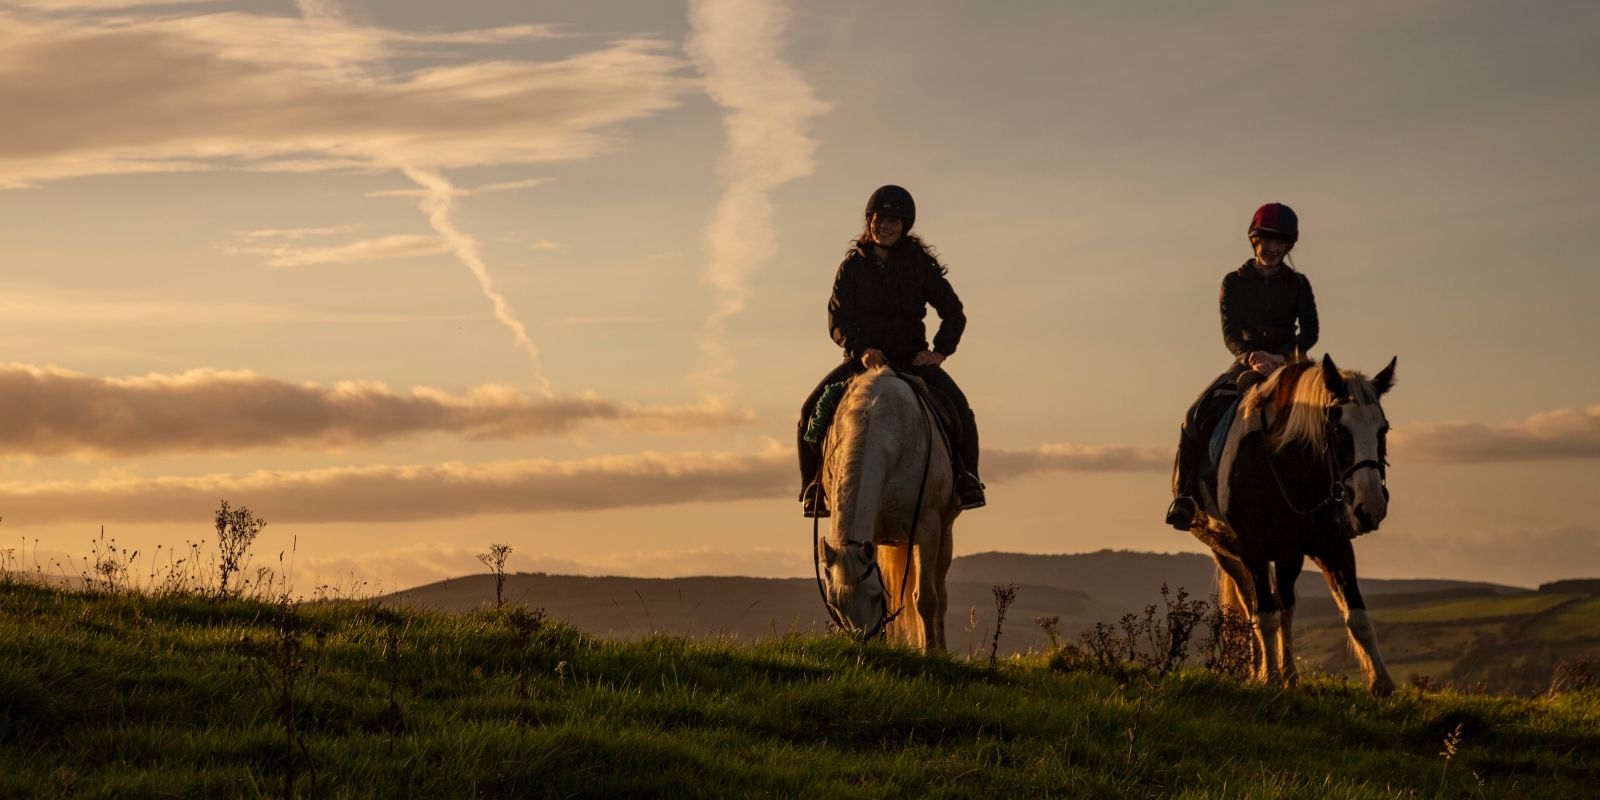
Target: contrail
[
  {"x": 735, "y": 44},
  {"x": 436, "y": 202}
]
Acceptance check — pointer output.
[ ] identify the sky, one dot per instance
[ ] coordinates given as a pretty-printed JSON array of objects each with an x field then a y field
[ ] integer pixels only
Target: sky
[{"x": 408, "y": 278}]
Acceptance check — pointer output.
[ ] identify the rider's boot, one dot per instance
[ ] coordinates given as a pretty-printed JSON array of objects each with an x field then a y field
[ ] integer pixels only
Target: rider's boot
[
  {"x": 969, "y": 489},
  {"x": 811, "y": 495},
  {"x": 1182, "y": 512}
]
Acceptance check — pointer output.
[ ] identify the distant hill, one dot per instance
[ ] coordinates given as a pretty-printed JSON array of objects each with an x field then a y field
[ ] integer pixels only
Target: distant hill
[{"x": 1079, "y": 589}]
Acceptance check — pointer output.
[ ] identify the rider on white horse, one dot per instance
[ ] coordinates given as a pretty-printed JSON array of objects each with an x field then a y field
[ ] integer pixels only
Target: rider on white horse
[{"x": 880, "y": 296}]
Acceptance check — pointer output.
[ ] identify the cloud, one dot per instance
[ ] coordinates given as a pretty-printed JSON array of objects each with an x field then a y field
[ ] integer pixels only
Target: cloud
[
  {"x": 1003, "y": 464},
  {"x": 1548, "y": 436},
  {"x": 411, "y": 493},
  {"x": 388, "y": 493},
  {"x": 380, "y": 249},
  {"x": 40, "y": 310},
  {"x": 300, "y": 233},
  {"x": 437, "y": 203},
  {"x": 51, "y": 411},
  {"x": 98, "y": 94},
  {"x": 456, "y": 191},
  {"x": 737, "y": 46}
]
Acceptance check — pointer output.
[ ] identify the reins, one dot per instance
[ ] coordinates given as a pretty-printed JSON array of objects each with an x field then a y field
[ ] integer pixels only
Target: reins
[
  {"x": 1337, "y": 492},
  {"x": 916, "y": 515}
]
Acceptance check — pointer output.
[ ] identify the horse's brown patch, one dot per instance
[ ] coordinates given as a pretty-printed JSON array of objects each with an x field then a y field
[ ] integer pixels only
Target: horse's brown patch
[{"x": 1282, "y": 400}]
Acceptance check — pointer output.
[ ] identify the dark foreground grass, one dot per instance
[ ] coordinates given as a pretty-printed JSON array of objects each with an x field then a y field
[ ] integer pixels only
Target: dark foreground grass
[{"x": 134, "y": 696}]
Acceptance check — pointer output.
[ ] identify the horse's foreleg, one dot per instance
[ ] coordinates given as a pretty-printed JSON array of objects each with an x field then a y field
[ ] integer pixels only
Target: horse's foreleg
[
  {"x": 1339, "y": 568},
  {"x": 1268, "y": 622},
  {"x": 1287, "y": 572}
]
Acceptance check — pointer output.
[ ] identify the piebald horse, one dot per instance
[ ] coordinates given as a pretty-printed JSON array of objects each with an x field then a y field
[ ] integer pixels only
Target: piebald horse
[
  {"x": 1301, "y": 474},
  {"x": 886, "y": 468}
]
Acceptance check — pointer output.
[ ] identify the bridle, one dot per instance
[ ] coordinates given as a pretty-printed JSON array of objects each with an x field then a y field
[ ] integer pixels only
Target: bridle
[
  {"x": 1338, "y": 490},
  {"x": 882, "y": 626}
]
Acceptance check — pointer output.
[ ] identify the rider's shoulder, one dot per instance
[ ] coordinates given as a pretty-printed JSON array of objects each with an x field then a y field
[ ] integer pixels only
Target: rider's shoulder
[{"x": 856, "y": 258}]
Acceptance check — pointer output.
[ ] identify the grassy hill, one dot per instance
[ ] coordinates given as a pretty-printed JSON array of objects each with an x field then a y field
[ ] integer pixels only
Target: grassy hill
[
  {"x": 1504, "y": 644},
  {"x": 138, "y": 696},
  {"x": 1080, "y": 590}
]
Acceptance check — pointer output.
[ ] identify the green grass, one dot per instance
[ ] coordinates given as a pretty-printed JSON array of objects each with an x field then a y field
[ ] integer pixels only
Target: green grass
[
  {"x": 1483, "y": 608},
  {"x": 131, "y": 696},
  {"x": 1581, "y": 619}
]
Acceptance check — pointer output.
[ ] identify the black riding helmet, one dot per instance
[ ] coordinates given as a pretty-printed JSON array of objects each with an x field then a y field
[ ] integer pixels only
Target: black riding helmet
[{"x": 893, "y": 201}]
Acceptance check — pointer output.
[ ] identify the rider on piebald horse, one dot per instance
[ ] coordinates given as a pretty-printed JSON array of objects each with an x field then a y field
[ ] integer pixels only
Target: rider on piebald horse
[
  {"x": 880, "y": 296},
  {"x": 1269, "y": 316}
]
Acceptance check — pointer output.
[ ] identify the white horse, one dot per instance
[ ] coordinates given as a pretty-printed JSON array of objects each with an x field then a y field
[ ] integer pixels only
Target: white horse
[{"x": 883, "y": 564}]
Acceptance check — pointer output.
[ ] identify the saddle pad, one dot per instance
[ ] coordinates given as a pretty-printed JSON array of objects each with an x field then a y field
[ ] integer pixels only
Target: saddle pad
[
  {"x": 1219, "y": 437},
  {"x": 822, "y": 416}
]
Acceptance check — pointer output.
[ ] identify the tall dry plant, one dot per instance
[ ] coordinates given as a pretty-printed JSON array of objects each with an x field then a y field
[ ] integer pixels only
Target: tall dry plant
[
  {"x": 237, "y": 529},
  {"x": 1004, "y": 596},
  {"x": 495, "y": 560}
]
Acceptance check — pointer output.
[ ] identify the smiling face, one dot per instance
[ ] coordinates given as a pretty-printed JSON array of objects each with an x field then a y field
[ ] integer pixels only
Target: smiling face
[
  {"x": 1270, "y": 252},
  {"x": 886, "y": 230}
]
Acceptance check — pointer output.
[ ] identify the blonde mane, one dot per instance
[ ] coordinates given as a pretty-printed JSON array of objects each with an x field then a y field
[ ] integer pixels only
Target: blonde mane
[{"x": 1297, "y": 402}]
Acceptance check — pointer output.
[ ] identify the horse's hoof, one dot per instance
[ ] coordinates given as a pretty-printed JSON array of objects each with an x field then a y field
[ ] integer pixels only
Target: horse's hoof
[{"x": 1383, "y": 687}]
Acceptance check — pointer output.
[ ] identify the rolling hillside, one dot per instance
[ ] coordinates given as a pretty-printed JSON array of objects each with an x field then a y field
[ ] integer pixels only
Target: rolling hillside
[{"x": 1079, "y": 589}]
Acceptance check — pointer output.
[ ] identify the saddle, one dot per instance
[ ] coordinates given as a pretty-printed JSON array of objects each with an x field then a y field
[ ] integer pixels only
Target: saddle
[
  {"x": 828, "y": 405},
  {"x": 1213, "y": 429}
]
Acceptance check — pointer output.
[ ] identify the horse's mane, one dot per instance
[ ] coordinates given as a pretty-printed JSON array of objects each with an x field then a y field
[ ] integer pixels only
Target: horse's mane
[
  {"x": 1297, "y": 399},
  {"x": 854, "y": 410}
]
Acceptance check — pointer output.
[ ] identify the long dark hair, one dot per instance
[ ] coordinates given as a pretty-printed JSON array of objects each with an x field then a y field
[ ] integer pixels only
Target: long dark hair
[{"x": 908, "y": 260}]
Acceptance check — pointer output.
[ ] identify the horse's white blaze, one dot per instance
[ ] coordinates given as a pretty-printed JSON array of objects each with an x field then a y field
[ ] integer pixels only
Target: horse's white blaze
[{"x": 1365, "y": 424}]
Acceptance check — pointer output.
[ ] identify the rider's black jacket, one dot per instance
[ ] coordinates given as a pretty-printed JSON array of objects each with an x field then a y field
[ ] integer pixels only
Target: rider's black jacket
[
  {"x": 1259, "y": 312},
  {"x": 866, "y": 311}
]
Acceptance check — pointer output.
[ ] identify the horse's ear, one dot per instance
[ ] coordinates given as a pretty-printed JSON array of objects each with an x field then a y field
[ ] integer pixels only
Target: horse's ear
[
  {"x": 1332, "y": 379},
  {"x": 1385, "y": 380},
  {"x": 829, "y": 555}
]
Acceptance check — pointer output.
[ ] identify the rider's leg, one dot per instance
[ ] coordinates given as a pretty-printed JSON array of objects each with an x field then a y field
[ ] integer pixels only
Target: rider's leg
[
  {"x": 810, "y": 455},
  {"x": 1197, "y": 422},
  {"x": 968, "y": 487}
]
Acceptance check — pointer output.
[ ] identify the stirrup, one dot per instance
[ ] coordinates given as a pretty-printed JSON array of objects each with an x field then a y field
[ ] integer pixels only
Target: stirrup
[
  {"x": 1181, "y": 513},
  {"x": 815, "y": 503}
]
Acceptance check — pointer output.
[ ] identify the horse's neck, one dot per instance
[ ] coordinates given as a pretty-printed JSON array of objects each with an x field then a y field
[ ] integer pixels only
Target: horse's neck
[{"x": 864, "y": 459}]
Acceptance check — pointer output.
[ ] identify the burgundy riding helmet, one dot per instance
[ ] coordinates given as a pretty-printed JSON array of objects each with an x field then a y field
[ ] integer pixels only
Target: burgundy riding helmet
[
  {"x": 1275, "y": 221},
  {"x": 893, "y": 201}
]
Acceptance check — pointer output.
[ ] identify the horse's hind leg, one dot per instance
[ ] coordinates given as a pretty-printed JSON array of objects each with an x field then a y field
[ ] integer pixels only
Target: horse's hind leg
[
  {"x": 1287, "y": 572},
  {"x": 941, "y": 589},
  {"x": 1339, "y": 567}
]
